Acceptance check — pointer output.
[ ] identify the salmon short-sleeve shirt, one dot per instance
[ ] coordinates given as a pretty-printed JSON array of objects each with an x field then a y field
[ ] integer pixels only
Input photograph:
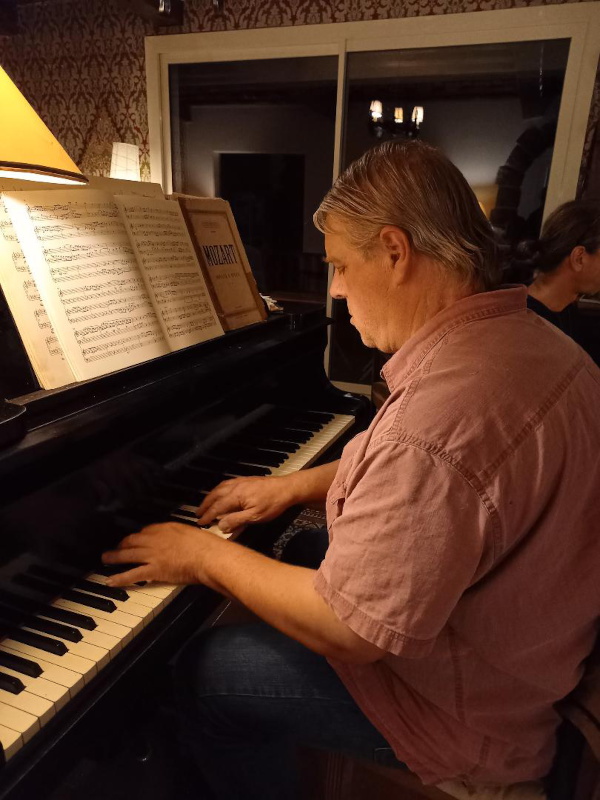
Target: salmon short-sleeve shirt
[{"x": 464, "y": 541}]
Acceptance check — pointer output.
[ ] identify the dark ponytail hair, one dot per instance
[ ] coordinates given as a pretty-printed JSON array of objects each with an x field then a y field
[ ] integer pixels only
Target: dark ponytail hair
[{"x": 574, "y": 224}]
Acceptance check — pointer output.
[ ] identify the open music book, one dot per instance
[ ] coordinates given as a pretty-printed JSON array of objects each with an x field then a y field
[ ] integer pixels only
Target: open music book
[{"x": 97, "y": 282}]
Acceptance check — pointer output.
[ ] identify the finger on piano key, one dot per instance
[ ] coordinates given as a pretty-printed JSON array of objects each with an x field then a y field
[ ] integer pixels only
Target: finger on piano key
[
  {"x": 43, "y": 710},
  {"x": 166, "y": 591},
  {"x": 134, "y": 624},
  {"x": 137, "y": 594},
  {"x": 112, "y": 592},
  {"x": 86, "y": 668},
  {"x": 11, "y": 741},
  {"x": 73, "y": 681},
  {"x": 129, "y": 606},
  {"x": 19, "y": 721},
  {"x": 42, "y": 687}
]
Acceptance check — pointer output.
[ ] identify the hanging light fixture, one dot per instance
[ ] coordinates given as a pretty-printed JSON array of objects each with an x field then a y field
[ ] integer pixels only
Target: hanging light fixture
[
  {"x": 394, "y": 126},
  {"x": 27, "y": 148}
]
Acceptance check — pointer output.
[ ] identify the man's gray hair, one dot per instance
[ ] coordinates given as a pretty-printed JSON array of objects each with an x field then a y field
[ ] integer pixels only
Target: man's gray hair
[{"x": 413, "y": 186}]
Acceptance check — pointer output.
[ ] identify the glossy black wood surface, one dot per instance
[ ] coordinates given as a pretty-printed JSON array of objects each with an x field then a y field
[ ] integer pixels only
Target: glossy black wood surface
[{"x": 92, "y": 452}]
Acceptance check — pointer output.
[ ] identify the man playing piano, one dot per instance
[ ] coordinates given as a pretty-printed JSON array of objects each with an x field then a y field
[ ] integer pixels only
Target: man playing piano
[{"x": 459, "y": 595}]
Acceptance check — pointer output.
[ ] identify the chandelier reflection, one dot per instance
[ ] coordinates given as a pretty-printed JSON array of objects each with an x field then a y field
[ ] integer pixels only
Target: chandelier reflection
[{"x": 380, "y": 123}]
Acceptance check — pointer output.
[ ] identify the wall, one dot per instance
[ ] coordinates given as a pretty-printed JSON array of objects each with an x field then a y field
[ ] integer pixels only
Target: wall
[
  {"x": 81, "y": 64},
  {"x": 257, "y": 129}
]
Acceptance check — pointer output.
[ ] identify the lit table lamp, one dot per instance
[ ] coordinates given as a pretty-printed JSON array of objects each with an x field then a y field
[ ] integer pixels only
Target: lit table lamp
[
  {"x": 30, "y": 152},
  {"x": 27, "y": 148}
]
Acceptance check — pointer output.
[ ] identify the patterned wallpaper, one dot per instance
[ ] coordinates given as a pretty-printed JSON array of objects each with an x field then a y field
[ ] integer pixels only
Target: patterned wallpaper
[{"x": 81, "y": 64}]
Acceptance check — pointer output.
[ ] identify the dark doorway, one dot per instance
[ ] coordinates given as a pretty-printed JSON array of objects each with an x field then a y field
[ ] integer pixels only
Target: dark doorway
[{"x": 266, "y": 193}]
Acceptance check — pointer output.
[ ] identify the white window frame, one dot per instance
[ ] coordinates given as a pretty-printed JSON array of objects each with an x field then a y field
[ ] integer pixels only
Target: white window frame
[{"x": 580, "y": 22}]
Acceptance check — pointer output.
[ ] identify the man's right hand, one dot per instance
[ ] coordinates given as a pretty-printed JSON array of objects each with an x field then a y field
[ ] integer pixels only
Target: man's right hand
[{"x": 243, "y": 501}]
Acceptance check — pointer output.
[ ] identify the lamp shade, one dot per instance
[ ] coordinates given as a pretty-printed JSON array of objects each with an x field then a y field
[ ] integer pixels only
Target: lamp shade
[{"x": 27, "y": 148}]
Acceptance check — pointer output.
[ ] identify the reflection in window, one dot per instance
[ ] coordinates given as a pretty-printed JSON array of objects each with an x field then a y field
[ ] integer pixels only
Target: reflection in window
[{"x": 261, "y": 135}]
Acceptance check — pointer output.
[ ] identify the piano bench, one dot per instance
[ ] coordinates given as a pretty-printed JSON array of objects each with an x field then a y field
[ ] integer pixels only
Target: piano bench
[{"x": 354, "y": 779}]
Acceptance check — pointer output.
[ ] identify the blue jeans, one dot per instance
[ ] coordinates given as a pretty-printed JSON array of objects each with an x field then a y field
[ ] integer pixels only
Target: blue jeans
[{"x": 248, "y": 696}]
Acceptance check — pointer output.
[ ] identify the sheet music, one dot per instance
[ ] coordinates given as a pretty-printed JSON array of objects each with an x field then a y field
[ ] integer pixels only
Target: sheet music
[
  {"x": 173, "y": 277},
  {"x": 23, "y": 298},
  {"x": 86, "y": 273}
]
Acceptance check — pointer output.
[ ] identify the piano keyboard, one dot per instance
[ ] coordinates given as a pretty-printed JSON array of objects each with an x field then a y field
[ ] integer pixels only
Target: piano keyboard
[
  {"x": 330, "y": 427},
  {"x": 52, "y": 651}
]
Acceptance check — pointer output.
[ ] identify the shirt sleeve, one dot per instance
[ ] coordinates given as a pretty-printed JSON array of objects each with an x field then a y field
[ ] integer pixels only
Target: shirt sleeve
[{"x": 411, "y": 537}]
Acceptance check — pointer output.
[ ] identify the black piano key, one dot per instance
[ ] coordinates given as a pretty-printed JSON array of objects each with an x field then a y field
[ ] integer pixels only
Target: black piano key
[
  {"x": 24, "y": 605},
  {"x": 229, "y": 467},
  {"x": 55, "y": 628},
  {"x": 112, "y": 592},
  {"x": 305, "y": 424},
  {"x": 248, "y": 455},
  {"x": 10, "y": 683},
  {"x": 23, "y": 665},
  {"x": 38, "y": 624},
  {"x": 69, "y": 617},
  {"x": 176, "y": 495},
  {"x": 291, "y": 434},
  {"x": 197, "y": 479},
  {"x": 277, "y": 445},
  {"x": 292, "y": 420},
  {"x": 323, "y": 416},
  {"x": 47, "y": 588},
  {"x": 51, "y": 574},
  {"x": 89, "y": 600},
  {"x": 35, "y": 640},
  {"x": 113, "y": 569}
]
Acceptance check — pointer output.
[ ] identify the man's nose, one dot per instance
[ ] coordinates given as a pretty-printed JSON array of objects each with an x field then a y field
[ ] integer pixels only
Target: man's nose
[{"x": 335, "y": 288}]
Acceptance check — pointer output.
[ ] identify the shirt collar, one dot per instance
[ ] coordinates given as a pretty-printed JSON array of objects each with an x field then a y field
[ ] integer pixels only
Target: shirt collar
[{"x": 405, "y": 361}]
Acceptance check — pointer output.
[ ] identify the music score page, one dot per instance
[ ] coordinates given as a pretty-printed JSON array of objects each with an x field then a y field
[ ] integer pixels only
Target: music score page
[
  {"x": 170, "y": 269},
  {"x": 88, "y": 279}
]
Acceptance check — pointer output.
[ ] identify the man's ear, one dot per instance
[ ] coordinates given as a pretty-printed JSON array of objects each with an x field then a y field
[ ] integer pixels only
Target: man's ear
[
  {"x": 576, "y": 258},
  {"x": 396, "y": 246}
]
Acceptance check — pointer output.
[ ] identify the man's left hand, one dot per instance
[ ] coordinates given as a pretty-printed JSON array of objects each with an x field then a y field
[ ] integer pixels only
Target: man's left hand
[{"x": 169, "y": 552}]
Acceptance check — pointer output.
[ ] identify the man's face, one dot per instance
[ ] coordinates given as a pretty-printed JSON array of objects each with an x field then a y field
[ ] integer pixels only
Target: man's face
[{"x": 365, "y": 284}]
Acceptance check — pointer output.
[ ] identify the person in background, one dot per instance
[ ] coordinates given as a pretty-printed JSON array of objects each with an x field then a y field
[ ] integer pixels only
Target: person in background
[
  {"x": 562, "y": 265},
  {"x": 458, "y": 597}
]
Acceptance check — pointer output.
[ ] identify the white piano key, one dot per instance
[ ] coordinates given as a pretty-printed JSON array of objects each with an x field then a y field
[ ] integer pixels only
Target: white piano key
[
  {"x": 98, "y": 655},
  {"x": 138, "y": 595},
  {"x": 119, "y": 632},
  {"x": 319, "y": 442},
  {"x": 42, "y": 687},
  {"x": 166, "y": 591},
  {"x": 43, "y": 710},
  {"x": 11, "y": 741},
  {"x": 130, "y": 607},
  {"x": 83, "y": 666},
  {"x": 73, "y": 681},
  {"x": 19, "y": 721},
  {"x": 135, "y": 624}
]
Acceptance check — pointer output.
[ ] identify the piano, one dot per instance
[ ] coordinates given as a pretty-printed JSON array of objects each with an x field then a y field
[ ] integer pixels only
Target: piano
[{"x": 83, "y": 666}]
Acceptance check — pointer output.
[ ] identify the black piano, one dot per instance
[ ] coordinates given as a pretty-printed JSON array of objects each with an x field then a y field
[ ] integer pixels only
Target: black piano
[{"x": 83, "y": 667}]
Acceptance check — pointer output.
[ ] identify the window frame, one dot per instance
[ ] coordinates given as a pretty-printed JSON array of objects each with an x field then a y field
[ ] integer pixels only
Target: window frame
[{"x": 579, "y": 22}]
